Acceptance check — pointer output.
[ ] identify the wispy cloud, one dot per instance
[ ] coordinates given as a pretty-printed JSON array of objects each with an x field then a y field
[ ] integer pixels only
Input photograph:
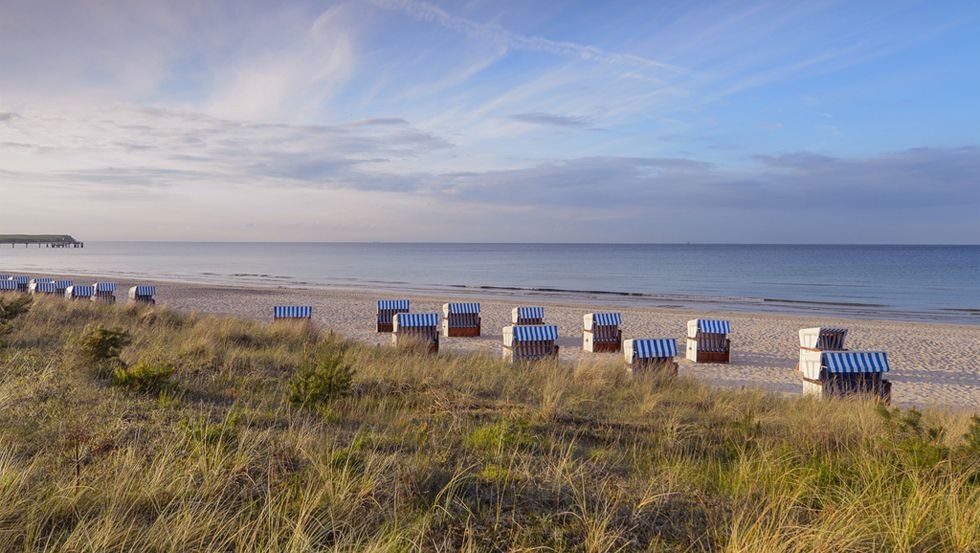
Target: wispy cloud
[{"x": 550, "y": 119}]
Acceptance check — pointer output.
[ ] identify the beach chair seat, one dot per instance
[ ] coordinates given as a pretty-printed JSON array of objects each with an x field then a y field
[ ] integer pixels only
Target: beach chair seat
[
  {"x": 527, "y": 315},
  {"x": 601, "y": 332},
  {"x": 461, "y": 319},
  {"x": 387, "y": 309},
  {"x": 414, "y": 329},
  {"x": 842, "y": 374},
  {"x": 708, "y": 341},
  {"x": 651, "y": 355},
  {"x": 528, "y": 343}
]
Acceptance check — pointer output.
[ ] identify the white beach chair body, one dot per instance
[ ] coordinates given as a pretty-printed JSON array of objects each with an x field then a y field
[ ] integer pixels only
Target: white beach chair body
[
  {"x": 527, "y": 343},
  {"x": 650, "y": 355},
  {"x": 601, "y": 332},
  {"x": 708, "y": 341},
  {"x": 461, "y": 319},
  {"x": 841, "y": 374},
  {"x": 387, "y": 309},
  {"x": 415, "y": 329}
]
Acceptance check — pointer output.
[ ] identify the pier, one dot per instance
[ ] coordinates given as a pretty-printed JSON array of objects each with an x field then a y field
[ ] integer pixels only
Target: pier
[{"x": 41, "y": 240}]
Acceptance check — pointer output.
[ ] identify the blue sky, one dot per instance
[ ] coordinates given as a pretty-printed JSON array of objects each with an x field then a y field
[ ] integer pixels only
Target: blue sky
[{"x": 492, "y": 121}]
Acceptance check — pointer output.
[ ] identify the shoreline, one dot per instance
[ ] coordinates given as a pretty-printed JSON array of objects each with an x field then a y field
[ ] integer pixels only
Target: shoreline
[{"x": 934, "y": 364}]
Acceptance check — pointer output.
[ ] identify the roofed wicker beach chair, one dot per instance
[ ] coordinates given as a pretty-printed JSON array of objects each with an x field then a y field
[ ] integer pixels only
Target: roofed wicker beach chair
[
  {"x": 387, "y": 309},
  {"x": 651, "y": 355},
  {"x": 708, "y": 341},
  {"x": 23, "y": 282},
  {"x": 8, "y": 286},
  {"x": 82, "y": 292},
  {"x": 461, "y": 319},
  {"x": 143, "y": 293},
  {"x": 527, "y": 315},
  {"x": 61, "y": 285},
  {"x": 292, "y": 313},
  {"x": 414, "y": 329},
  {"x": 841, "y": 374},
  {"x": 526, "y": 343},
  {"x": 105, "y": 292},
  {"x": 601, "y": 332},
  {"x": 42, "y": 286},
  {"x": 821, "y": 339}
]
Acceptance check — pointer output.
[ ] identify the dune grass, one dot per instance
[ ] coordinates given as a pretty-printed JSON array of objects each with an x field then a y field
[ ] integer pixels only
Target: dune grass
[{"x": 446, "y": 453}]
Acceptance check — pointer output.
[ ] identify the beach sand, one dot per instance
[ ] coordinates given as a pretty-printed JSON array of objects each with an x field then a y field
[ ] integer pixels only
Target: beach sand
[{"x": 933, "y": 365}]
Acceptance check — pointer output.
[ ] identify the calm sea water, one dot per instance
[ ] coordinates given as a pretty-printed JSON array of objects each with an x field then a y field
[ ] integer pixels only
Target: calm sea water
[{"x": 914, "y": 282}]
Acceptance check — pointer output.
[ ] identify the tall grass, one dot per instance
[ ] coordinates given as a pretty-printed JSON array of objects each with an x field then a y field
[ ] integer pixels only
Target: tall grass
[{"x": 445, "y": 453}]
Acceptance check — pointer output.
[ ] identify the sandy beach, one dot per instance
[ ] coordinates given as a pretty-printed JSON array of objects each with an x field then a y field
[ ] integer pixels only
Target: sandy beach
[{"x": 933, "y": 365}]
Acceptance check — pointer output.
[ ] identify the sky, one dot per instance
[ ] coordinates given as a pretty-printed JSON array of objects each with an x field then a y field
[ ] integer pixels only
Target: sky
[{"x": 492, "y": 121}]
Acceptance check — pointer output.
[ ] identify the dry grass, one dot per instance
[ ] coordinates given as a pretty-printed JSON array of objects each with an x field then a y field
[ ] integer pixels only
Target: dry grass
[{"x": 446, "y": 453}]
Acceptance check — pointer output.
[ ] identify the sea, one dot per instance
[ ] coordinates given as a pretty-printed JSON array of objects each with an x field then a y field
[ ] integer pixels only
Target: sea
[{"x": 934, "y": 283}]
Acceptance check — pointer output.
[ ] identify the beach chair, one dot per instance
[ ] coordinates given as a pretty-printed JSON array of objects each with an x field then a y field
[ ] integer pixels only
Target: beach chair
[
  {"x": 708, "y": 341},
  {"x": 527, "y": 315},
  {"x": 601, "y": 332},
  {"x": 461, "y": 319},
  {"x": 42, "y": 286},
  {"x": 842, "y": 374},
  {"x": 412, "y": 329},
  {"x": 387, "y": 309},
  {"x": 292, "y": 313},
  {"x": 526, "y": 343},
  {"x": 105, "y": 292},
  {"x": 143, "y": 293},
  {"x": 22, "y": 282},
  {"x": 651, "y": 355},
  {"x": 61, "y": 285},
  {"x": 79, "y": 292},
  {"x": 8, "y": 286},
  {"x": 821, "y": 339}
]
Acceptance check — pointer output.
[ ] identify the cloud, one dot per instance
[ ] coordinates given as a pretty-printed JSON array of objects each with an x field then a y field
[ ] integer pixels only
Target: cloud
[{"x": 548, "y": 119}]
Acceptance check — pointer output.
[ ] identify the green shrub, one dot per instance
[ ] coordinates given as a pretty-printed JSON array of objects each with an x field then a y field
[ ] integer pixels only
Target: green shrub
[
  {"x": 321, "y": 380},
  {"x": 144, "y": 377},
  {"x": 102, "y": 345}
]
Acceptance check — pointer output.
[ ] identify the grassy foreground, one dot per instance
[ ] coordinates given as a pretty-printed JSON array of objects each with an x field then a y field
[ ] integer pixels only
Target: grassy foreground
[{"x": 445, "y": 453}]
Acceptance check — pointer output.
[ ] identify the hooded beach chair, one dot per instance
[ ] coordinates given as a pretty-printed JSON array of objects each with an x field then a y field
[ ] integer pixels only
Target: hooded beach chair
[
  {"x": 415, "y": 329},
  {"x": 61, "y": 285},
  {"x": 105, "y": 292},
  {"x": 708, "y": 341},
  {"x": 601, "y": 332},
  {"x": 79, "y": 292},
  {"x": 525, "y": 343},
  {"x": 292, "y": 313},
  {"x": 650, "y": 354},
  {"x": 527, "y": 315},
  {"x": 461, "y": 319},
  {"x": 23, "y": 282},
  {"x": 841, "y": 374},
  {"x": 387, "y": 309},
  {"x": 143, "y": 293},
  {"x": 8, "y": 286},
  {"x": 821, "y": 339},
  {"x": 42, "y": 286}
]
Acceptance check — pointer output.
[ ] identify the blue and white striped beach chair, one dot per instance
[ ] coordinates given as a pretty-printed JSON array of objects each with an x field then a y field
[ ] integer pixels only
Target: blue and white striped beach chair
[
  {"x": 387, "y": 309},
  {"x": 708, "y": 341},
  {"x": 840, "y": 374},
  {"x": 461, "y": 319},
  {"x": 524, "y": 343},
  {"x": 601, "y": 332},
  {"x": 524, "y": 315},
  {"x": 77, "y": 292},
  {"x": 143, "y": 293},
  {"x": 651, "y": 354},
  {"x": 105, "y": 292},
  {"x": 416, "y": 329},
  {"x": 7, "y": 286},
  {"x": 292, "y": 312}
]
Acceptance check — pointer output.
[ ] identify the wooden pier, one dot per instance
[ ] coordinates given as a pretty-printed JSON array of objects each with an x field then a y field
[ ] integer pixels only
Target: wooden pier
[{"x": 41, "y": 240}]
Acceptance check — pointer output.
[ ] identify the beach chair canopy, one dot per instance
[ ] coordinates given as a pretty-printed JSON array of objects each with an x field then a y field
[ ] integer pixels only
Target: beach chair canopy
[
  {"x": 293, "y": 311},
  {"x": 524, "y": 312},
  {"x": 143, "y": 291},
  {"x": 604, "y": 319},
  {"x": 457, "y": 308},
  {"x": 105, "y": 287},
  {"x": 21, "y": 279},
  {"x": 714, "y": 326},
  {"x": 392, "y": 305},
  {"x": 529, "y": 333},
  {"x": 8, "y": 285},
  {"x": 416, "y": 320},
  {"x": 822, "y": 337},
  {"x": 855, "y": 362},
  {"x": 81, "y": 291},
  {"x": 650, "y": 348}
]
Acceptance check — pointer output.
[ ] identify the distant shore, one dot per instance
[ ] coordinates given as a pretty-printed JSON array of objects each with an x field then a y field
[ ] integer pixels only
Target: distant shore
[{"x": 933, "y": 364}]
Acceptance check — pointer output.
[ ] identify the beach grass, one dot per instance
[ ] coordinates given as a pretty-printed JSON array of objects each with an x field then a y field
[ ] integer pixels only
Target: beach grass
[{"x": 201, "y": 433}]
